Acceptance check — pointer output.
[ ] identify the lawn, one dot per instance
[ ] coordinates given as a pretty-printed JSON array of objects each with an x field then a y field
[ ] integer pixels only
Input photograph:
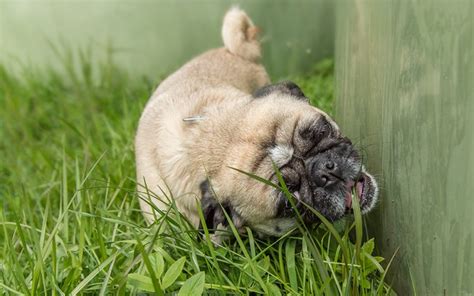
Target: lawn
[{"x": 70, "y": 222}]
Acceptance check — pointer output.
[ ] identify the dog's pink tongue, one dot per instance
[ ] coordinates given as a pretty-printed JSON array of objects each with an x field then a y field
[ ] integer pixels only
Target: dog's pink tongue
[
  {"x": 359, "y": 187},
  {"x": 349, "y": 195},
  {"x": 348, "y": 200}
]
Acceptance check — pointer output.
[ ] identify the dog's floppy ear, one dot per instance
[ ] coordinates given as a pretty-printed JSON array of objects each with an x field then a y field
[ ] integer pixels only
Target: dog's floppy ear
[
  {"x": 284, "y": 87},
  {"x": 214, "y": 211}
]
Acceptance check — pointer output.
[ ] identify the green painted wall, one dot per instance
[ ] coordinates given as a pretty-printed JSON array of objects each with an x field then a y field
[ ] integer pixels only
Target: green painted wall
[
  {"x": 405, "y": 91},
  {"x": 155, "y": 37}
]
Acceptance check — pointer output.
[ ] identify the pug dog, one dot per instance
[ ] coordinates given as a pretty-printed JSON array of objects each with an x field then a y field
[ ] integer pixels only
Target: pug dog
[{"x": 219, "y": 116}]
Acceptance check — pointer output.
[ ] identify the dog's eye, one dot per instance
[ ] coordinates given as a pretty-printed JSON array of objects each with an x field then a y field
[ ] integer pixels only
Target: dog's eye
[
  {"x": 317, "y": 130},
  {"x": 323, "y": 131},
  {"x": 292, "y": 186},
  {"x": 291, "y": 178},
  {"x": 312, "y": 134}
]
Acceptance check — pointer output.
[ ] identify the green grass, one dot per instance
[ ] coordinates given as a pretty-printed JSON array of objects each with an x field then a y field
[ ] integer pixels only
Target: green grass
[
  {"x": 70, "y": 222},
  {"x": 318, "y": 85}
]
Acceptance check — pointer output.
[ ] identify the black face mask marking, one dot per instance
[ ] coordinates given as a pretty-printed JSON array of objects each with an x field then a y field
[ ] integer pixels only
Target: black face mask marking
[{"x": 323, "y": 172}]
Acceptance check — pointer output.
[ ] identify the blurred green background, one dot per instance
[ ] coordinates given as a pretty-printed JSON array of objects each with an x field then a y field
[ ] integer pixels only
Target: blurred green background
[
  {"x": 404, "y": 91},
  {"x": 155, "y": 37}
]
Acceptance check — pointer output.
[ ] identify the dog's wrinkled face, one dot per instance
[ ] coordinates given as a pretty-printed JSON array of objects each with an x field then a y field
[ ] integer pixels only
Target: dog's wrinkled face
[
  {"x": 322, "y": 171},
  {"x": 320, "y": 167}
]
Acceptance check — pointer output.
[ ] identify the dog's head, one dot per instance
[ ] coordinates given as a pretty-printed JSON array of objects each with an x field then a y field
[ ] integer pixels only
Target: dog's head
[{"x": 320, "y": 166}]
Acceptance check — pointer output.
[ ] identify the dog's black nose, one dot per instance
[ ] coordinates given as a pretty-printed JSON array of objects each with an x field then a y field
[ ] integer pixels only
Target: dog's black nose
[
  {"x": 325, "y": 174},
  {"x": 330, "y": 165},
  {"x": 321, "y": 179}
]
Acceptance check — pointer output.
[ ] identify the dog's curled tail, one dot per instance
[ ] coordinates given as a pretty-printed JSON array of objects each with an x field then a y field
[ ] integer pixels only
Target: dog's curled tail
[{"x": 240, "y": 35}]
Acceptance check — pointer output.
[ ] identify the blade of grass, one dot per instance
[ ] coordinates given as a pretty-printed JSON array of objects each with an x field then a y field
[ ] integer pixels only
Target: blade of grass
[
  {"x": 382, "y": 278},
  {"x": 149, "y": 267},
  {"x": 93, "y": 274}
]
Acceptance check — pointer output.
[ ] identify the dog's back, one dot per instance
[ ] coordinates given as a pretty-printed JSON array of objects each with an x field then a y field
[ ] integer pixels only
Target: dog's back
[{"x": 221, "y": 76}]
